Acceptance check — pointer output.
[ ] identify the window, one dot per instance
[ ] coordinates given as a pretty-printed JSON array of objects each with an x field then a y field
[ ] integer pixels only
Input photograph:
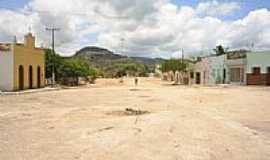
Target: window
[{"x": 256, "y": 70}]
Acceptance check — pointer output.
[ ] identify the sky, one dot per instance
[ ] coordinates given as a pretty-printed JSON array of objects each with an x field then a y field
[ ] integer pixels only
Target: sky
[{"x": 149, "y": 28}]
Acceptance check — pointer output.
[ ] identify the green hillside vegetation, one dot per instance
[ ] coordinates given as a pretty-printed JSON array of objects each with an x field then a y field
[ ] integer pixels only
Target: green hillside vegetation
[
  {"x": 175, "y": 65},
  {"x": 114, "y": 65},
  {"x": 96, "y": 62}
]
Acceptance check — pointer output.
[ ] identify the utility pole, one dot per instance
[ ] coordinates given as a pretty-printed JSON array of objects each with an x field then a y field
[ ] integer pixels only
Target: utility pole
[
  {"x": 183, "y": 56},
  {"x": 53, "y": 30},
  {"x": 252, "y": 46},
  {"x": 122, "y": 45}
]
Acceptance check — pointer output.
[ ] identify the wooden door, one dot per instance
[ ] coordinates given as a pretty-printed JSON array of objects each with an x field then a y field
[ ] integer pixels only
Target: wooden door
[
  {"x": 30, "y": 74},
  {"x": 268, "y": 76},
  {"x": 21, "y": 77},
  {"x": 38, "y": 77},
  {"x": 198, "y": 78}
]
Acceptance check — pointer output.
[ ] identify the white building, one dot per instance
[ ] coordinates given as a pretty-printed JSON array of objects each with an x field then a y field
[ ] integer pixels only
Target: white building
[
  {"x": 6, "y": 60},
  {"x": 209, "y": 70}
]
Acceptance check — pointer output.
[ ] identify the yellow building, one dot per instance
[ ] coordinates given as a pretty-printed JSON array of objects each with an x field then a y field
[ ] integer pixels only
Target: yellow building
[{"x": 22, "y": 66}]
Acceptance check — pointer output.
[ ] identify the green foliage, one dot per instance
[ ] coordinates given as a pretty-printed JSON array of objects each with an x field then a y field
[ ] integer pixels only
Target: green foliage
[
  {"x": 74, "y": 68},
  {"x": 109, "y": 65},
  {"x": 68, "y": 67},
  {"x": 133, "y": 69},
  {"x": 220, "y": 50},
  {"x": 114, "y": 65},
  {"x": 174, "y": 65},
  {"x": 49, "y": 58}
]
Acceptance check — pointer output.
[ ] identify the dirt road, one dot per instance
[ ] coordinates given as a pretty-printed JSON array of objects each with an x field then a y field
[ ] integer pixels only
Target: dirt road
[{"x": 183, "y": 123}]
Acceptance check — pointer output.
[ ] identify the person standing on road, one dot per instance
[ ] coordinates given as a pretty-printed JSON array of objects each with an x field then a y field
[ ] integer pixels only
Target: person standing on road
[
  {"x": 136, "y": 80},
  {"x": 121, "y": 80}
]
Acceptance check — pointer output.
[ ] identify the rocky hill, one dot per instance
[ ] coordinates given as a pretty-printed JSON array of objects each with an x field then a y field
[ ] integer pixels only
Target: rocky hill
[{"x": 105, "y": 59}]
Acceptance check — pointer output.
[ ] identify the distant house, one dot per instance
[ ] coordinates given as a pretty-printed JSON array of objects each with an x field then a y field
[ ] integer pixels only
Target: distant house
[
  {"x": 21, "y": 65},
  {"x": 200, "y": 72},
  {"x": 236, "y": 63},
  {"x": 236, "y": 67},
  {"x": 209, "y": 70}
]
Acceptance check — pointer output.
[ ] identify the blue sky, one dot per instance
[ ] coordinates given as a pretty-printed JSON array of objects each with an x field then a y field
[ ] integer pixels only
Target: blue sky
[
  {"x": 246, "y": 6},
  {"x": 14, "y": 4}
]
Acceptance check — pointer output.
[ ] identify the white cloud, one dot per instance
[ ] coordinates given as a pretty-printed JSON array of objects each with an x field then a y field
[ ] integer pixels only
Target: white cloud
[
  {"x": 150, "y": 27},
  {"x": 12, "y": 24},
  {"x": 215, "y": 8}
]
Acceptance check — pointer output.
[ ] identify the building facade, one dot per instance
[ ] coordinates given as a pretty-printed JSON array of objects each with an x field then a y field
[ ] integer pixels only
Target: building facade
[
  {"x": 236, "y": 63},
  {"x": 22, "y": 66},
  {"x": 236, "y": 67},
  {"x": 200, "y": 71}
]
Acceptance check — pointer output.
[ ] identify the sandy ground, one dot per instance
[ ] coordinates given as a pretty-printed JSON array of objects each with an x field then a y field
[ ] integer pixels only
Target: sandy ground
[{"x": 189, "y": 123}]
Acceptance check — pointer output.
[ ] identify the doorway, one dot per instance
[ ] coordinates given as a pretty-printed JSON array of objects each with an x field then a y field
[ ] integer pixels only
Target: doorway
[
  {"x": 198, "y": 78},
  {"x": 237, "y": 75},
  {"x": 21, "y": 77},
  {"x": 224, "y": 76},
  {"x": 268, "y": 76},
  {"x": 38, "y": 77},
  {"x": 30, "y": 77}
]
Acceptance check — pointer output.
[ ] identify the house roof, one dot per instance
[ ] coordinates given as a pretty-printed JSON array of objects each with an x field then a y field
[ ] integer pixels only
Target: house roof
[
  {"x": 7, "y": 46},
  {"x": 4, "y": 47}
]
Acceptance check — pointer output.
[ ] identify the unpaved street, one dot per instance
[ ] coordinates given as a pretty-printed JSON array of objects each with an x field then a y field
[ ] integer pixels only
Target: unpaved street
[{"x": 183, "y": 123}]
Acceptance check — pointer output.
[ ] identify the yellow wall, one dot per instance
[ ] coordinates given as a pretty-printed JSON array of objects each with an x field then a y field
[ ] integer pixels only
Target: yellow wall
[{"x": 27, "y": 55}]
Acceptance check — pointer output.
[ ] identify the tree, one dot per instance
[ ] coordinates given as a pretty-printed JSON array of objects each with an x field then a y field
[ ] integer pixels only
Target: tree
[
  {"x": 179, "y": 67},
  {"x": 130, "y": 68},
  {"x": 75, "y": 68},
  {"x": 174, "y": 65},
  {"x": 220, "y": 50},
  {"x": 50, "y": 60},
  {"x": 68, "y": 68}
]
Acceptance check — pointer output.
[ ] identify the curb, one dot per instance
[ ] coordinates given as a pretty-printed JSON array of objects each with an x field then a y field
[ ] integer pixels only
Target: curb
[{"x": 29, "y": 91}]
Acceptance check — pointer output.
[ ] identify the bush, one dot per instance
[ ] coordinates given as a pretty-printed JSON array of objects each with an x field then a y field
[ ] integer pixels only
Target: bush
[
  {"x": 68, "y": 70},
  {"x": 174, "y": 65},
  {"x": 132, "y": 69}
]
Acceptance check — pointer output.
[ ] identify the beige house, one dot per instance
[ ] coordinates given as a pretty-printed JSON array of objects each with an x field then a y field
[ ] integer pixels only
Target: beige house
[{"x": 21, "y": 65}]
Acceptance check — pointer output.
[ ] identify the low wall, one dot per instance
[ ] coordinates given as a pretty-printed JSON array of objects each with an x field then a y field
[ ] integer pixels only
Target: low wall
[{"x": 261, "y": 79}]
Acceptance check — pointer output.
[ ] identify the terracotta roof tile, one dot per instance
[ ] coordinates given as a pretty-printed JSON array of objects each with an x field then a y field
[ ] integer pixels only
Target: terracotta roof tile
[{"x": 4, "y": 47}]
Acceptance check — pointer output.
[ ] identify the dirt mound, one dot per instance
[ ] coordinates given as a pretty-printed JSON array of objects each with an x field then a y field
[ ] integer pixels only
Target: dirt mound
[{"x": 128, "y": 112}]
